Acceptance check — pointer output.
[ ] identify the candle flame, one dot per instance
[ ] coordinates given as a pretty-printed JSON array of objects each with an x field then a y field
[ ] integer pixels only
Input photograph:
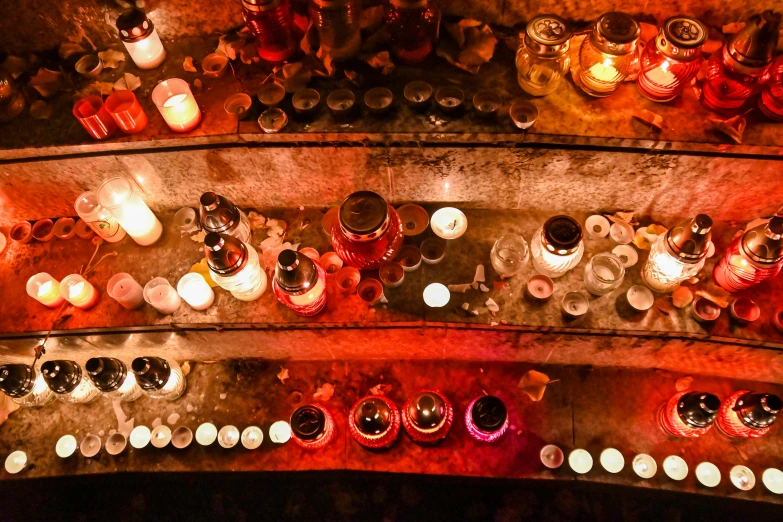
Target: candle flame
[
  {"x": 44, "y": 288},
  {"x": 76, "y": 289}
]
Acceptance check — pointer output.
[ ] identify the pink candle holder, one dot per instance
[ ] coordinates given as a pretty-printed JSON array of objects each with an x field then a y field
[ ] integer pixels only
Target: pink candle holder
[
  {"x": 689, "y": 414},
  {"x": 312, "y": 427},
  {"x": 427, "y": 417},
  {"x": 748, "y": 415},
  {"x": 486, "y": 418},
  {"x": 94, "y": 117},
  {"x": 126, "y": 111}
]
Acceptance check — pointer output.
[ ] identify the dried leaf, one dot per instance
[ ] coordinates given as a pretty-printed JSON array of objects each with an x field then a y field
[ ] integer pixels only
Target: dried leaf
[
  {"x": 66, "y": 49},
  {"x": 294, "y": 76},
  {"x": 479, "y": 47},
  {"x": 380, "y": 389},
  {"x": 710, "y": 46},
  {"x": 683, "y": 383},
  {"x": 381, "y": 61},
  {"x": 459, "y": 288},
  {"x": 533, "y": 384},
  {"x": 185, "y": 368},
  {"x": 324, "y": 393},
  {"x": 128, "y": 82},
  {"x": 188, "y": 64},
  {"x": 682, "y": 297},
  {"x": 371, "y": 18},
  {"x": 197, "y": 86},
  {"x": 664, "y": 304},
  {"x": 742, "y": 453},
  {"x": 249, "y": 52},
  {"x": 230, "y": 45},
  {"x": 202, "y": 268},
  {"x": 283, "y": 375},
  {"x": 733, "y": 27},
  {"x": 719, "y": 296},
  {"x": 646, "y": 236},
  {"x": 99, "y": 88},
  {"x": 257, "y": 221},
  {"x": 48, "y": 82},
  {"x": 111, "y": 58},
  {"x": 649, "y": 117},
  {"x": 7, "y": 407},
  {"x": 40, "y": 110},
  {"x": 733, "y": 127},
  {"x": 457, "y": 30},
  {"x": 15, "y": 66},
  {"x": 199, "y": 236},
  {"x": 622, "y": 217}
]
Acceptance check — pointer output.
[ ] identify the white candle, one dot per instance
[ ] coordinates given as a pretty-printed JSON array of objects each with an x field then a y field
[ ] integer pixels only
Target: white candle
[
  {"x": 612, "y": 460},
  {"x": 449, "y": 223},
  {"x": 228, "y": 436},
  {"x": 580, "y": 461},
  {"x": 206, "y": 434},
  {"x": 436, "y": 295},
  {"x": 125, "y": 290},
  {"x": 118, "y": 197},
  {"x": 742, "y": 477},
  {"x": 602, "y": 77},
  {"x": 161, "y": 436},
  {"x": 147, "y": 53},
  {"x": 140, "y": 437},
  {"x": 45, "y": 289},
  {"x": 675, "y": 468},
  {"x": 15, "y": 462},
  {"x": 708, "y": 474},
  {"x": 280, "y": 432},
  {"x": 252, "y": 437},
  {"x": 644, "y": 466},
  {"x": 312, "y": 295},
  {"x": 177, "y": 105},
  {"x": 773, "y": 480},
  {"x": 162, "y": 296},
  {"x": 66, "y": 446},
  {"x": 78, "y": 291},
  {"x": 193, "y": 288}
]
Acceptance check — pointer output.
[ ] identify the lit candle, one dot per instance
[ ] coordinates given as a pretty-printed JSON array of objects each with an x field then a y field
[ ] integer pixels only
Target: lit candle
[
  {"x": 162, "y": 296},
  {"x": 311, "y": 296},
  {"x": 15, "y": 462},
  {"x": 773, "y": 480},
  {"x": 66, "y": 446},
  {"x": 161, "y": 436},
  {"x": 77, "y": 291},
  {"x": 708, "y": 474},
  {"x": 644, "y": 466},
  {"x": 125, "y": 290},
  {"x": 125, "y": 204},
  {"x": 193, "y": 288},
  {"x": 580, "y": 461},
  {"x": 177, "y": 105},
  {"x": 742, "y": 477},
  {"x": 602, "y": 77},
  {"x": 228, "y": 436},
  {"x": 436, "y": 295},
  {"x": 252, "y": 437},
  {"x": 206, "y": 434},
  {"x": 140, "y": 437},
  {"x": 612, "y": 460},
  {"x": 45, "y": 289},
  {"x": 449, "y": 223},
  {"x": 661, "y": 75},
  {"x": 280, "y": 432},
  {"x": 675, "y": 468},
  {"x": 140, "y": 38},
  {"x": 551, "y": 456}
]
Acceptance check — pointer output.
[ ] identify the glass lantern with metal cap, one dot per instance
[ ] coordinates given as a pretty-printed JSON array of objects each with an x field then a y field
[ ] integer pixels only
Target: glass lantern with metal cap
[
  {"x": 112, "y": 378},
  {"x": 218, "y": 214},
  {"x": 375, "y": 422},
  {"x": 66, "y": 380},
  {"x": 753, "y": 257},
  {"x": 234, "y": 266},
  {"x": 557, "y": 246},
  {"x": 427, "y": 417},
  {"x": 678, "y": 255},
  {"x": 542, "y": 57},
  {"x": 747, "y": 414},
  {"x": 312, "y": 427},
  {"x": 689, "y": 414},
  {"x": 413, "y": 28},
  {"x": 140, "y": 38},
  {"x": 159, "y": 378},
  {"x": 608, "y": 54},
  {"x": 272, "y": 23},
  {"x": 24, "y": 385},
  {"x": 299, "y": 283}
]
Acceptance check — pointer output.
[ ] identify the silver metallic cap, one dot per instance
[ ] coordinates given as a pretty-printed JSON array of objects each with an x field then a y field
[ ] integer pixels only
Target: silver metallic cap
[{"x": 547, "y": 34}]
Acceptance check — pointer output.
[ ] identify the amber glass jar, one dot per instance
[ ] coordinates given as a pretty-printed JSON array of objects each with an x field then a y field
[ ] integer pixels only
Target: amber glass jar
[
  {"x": 608, "y": 54},
  {"x": 413, "y": 28},
  {"x": 542, "y": 58}
]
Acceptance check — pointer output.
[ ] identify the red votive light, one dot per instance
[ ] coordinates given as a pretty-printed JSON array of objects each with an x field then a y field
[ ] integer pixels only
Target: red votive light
[
  {"x": 689, "y": 414},
  {"x": 126, "y": 112},
  {"x": 747, "y": 414},
  {"x": 771, "y": 99},
  {"x": 375, "y": 422},
  {"x": 413, "y": 28},
  {"x": 486, "y": 418},
  {"x": 94, "y": 117},
  {"x": 755, "y": 256},
  {"x": 312, "y": 427},
  {"x": 427, "y": 417},
  {"x": 299, "y": 283},
  {"x": 272, "y": 23}
]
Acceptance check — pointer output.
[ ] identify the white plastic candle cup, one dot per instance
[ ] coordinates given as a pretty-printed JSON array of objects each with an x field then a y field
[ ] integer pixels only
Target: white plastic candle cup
[
  {"x": 645, "y": 466},
  {"x": 627, "y": 255},
  {"x": 280, "y": 432},
  {"x": 371, "y": 292},
  {"x": 580, "y": 461},
  {"x": 177, "y": 105},
  {"x": 708, "y": 474},
  {"x": 66, "y": 446},
  {"x": 162, "y": 296},
  {"x": 125, "y": 290},
  {"x": 140, "y": 437},
  {"x": 612, "y": 460},
  {"x": 181, "y": 437},
  {"x": 132, "y": 213},
  {"x": 597, "y": 226},
  {"x": 640, "y": 298},
  {"x": 214, "y": 65},
  {"x": 675, "y": 467},
  {"x": 742, "y": 478},
  {"x": 186, "y": 221},
  {"x": 15, "y": 462},
  {"x": 433, "y": 250},
  {"x": 116, "y": 444},
  {"x": 147, "y": 53},
  {"x": 773, "y": 480},
  {"x": 449, "y": 223},
  {"x": 228, "y": 436},
  {"x": 90, "y": 446},
  {"x": 78, "y": 291},
  {"x": 206, "y": 434},
  {"x": 252, "y": 437},
  {"x": 45, "y": 289},
  {"x": 575, "y": 304},
  {"x": 193, "y": 288},
  {"x": 436, "y": 295},
  {"x": 161, "y": 436},
  {"x": 540, "y": 287},
  {"x": 551, "y": 456}
]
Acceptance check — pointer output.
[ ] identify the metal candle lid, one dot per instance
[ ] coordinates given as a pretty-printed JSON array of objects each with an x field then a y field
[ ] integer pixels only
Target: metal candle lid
[
  {"x": 295, "y": 273},
  {"x": 409, "y": 4},
  {"x": 681, "y": 38},
  {"x": 134, "y": 26},
  {"x": 225, "y": 254},
  {"x": 615, "y": 33},
  {"x": 547, "y": 34},
  {"x": 758, "y": 410},
  {"x": 152, "y": 373},
  {"x": 372, "y": 416},
  {"x": 106, "y": 373},
  {"x": 698, "y": 409},
  {"x": 217, "y": 214},
  {"x": 61, "y": 376},
  {"x": 562, "y": 234},
  {"x": 364, "y": 216},
  {"x": 754, "y": 45},
  {"x": 426, "y": 410},
  {"x": 764, "y": 244},
  {"x": 260, "y": 5},
  {"x": 690, "y": 240},
  {"x": 16, "y": 380},
  {"x": 308, "y": 422},
  {"x": 489, "y": 413}
]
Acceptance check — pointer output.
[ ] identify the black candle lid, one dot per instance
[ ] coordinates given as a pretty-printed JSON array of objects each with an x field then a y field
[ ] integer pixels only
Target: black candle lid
[
  {"x": 562, "y": 233},
  {"x": 426, "y": 410},
  {"x": 615, "y": 33},
  {"x": 152, "y": 373},
  {"x": 489, "y": 413},
  {"x": 754, "y": 44},
  {"x": 106, "y": 373},
  {"x": 372, "y": 416},
  {"x": 134, "y": 26},
  {"x": 16, "y": 380},
  {"x": 217, "y": 213},
  {"x": 363, "y": 213},
  {"x": 698, "y": 409},
  {"x": 295, "y": 273},
  {"x": 225, "y": 255},
  {"x": 308, "y": 422},
  {"x": 764, "y": 244},
  {"x": 758, "y": 410},
  {"x": 61, "y": 376}
]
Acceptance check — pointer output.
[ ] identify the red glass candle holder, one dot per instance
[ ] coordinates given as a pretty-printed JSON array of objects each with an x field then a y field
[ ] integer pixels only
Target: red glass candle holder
[
  {"x": 312, "y": 427},
  {"x": 486, "y": 418},
  {"x": 300, "y": 283},
  {"x": 427, "y": 417},
  {"x": 94, "y": 117},
  {"x": 748, "y": 415},
  {"x": 771, "y": 99},
  {"x": 126, "y": 112},
  {"x": 375, "y": 422},
  {"x": 689, "y": 414},
  {"x": 413, "y": 28},
  {"x": 753, "y": 257},
  {"x": 272, "y": 23}
]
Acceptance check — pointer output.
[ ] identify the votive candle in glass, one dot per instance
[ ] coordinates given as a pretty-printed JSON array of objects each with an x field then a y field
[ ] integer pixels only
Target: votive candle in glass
[
  {"x": 177, "y": 105},
  {"x": 126, "y": 112},
  {"x": 78, "y": 291},
  {"x": 449, "y": 223},
  {"x": 161, "y": 295},
  {"x": 125, "y": 290},
  {"x": 486, "y": 418},
  {"x": 689, "y": 414},
  {"x": 608, "y": 54},
  {"x": 312, "y": 427},
  {"x": 140, "y": 38},
  {"x": 125, "y": 204},
  {"x": 193, "y": 288},
  {"x": 747, "y": 414},
  {"x": 427, "y": 417},
  {"x": 94, "y": 117},
  {"x": 45, "y": 289}
]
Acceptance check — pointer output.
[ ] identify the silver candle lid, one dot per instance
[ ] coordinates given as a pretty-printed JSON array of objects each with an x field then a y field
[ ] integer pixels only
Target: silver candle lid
[
  {"x": 615, "y": 33},
  {"x": 547, "y": 35},
  {"x": 681, "y": 38}
]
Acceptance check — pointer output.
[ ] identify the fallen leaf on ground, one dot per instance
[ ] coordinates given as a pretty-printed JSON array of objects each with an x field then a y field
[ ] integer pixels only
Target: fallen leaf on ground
[
  {"x": 649, "y": 117},
  {"x": 719, "y": 296},
  {"x": 623, "y": 217},
  {"x": 683, "y": 383},
  {"x": 111, "y": 58},
  {"x": 128, "y": 82},
  {"x": 15, "y": 66},
  {"x": 40, "y": 110},
  {"x": 257, "y": 221},
  {"x": 230, "y": 45},
  {"x": 380, "y": 389},
  {"x": 457, "y": 30},
  {"x": 324, "y": 393},
  {"x": 381, "y": 61},
  {"x": 664, "y": 304},
  {"x": 197, "y": 86},
  {"x": 66, "y": 49},
  {"x": 185, "y": 368},
  {"x": 48, "y": 82},
  {"x": 188, "y": 64},
  {"x": 533, "y": 384},
  {"x": 479, "y": 46},
  {"x": 682, "y": 297},
  {"x": 492, "y": 306},
  {"x": 733, "y": 127},
  {"x": 100, "y": 88},
  {"x": 283, "y": 375},
  {"x": 733, "y": 27},
  {"x": 249, "y": 52},
  {"x": 459, "y": 288},
  {"x": 202, "y": 268},
  {"x": 7, "y": 407}
]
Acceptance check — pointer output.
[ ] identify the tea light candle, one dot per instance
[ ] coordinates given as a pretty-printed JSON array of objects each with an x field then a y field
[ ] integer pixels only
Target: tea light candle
[
  {"x": 551, "y": 456},
  {"x": 162, "y": 296},
  {"x": 580, "y": 461},
  {"x": 206, "y": 434},
  {"x": 66, "y": 446},
  {"x": 77, "y": 291},
  {"x": 773, "y": 480},
  {"x": 125, "y": 290},
  {"x": 90, "y": 446},
  {"x": 708, "y": 474},
  {"x": 140, "y": 437},
  {"x": 280, "y": 432},
  {"x": 125, "y": 204},
  {"x": 645, "y": 466},
  {"x": 742, "y": 477},
  {"x": 449, "y": 223},
  {"x": 436, "y": 295},
  {"x": 252, "y": 437},
  {"x": 612, "y": 460},
  {"x": 161, "y": 436},
  {"x": 228, "y": 436},
  {"x": 15, "y": 462},
  {"x": 193, "y": 288},
  {"x": 181, "y": 437},
  {"x": 45, "y": 289},
  {"x": 602, "y": 77},
  {"x": 177, "y": 105},
  {"x": 116, "y": 444},
  {"x": 675, "y": 468}
]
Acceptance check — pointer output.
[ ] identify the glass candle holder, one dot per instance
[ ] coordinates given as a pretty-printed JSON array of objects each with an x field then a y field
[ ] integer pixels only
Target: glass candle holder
[
  {"x": 608, "y": 54},
  {"x": 678, "y": 255},
  {"x": 375, "y": 422},
  {"x": 671, "y": 60},
  {"x": 177, "y": 105},
  {"x": 193, "y": 288},
  {"x": 542, "y": 57},
  {"x": 427, "y": 417},
  {"x": 486, "y": 418},
  {"x": 603, "y": 273},
  {"x": 299, "y": 283},
  {"x": 753, "y": 257},
  {"x": 413, "y": 28},
  {"x": 112, "y": 378},
  {"x": 509, "y": 255},
  {"x": 140, "y": 38},
  {"x": 159, "y": 293},
  {"x": 312, "y": 427},
  {"x": 126, "y": 112},
  {"x": 45, "y": 289},
  {"x": 66, "y": 380},
  {"x": 218, "y": 214},
  {"x": 159, "y": 378},
  {"x": 746, "y": 414},
  {"x": 24, "y": 385},
  {"x": 94, "y": 117},
  {"x": 337, "y": 23},
  {"x": 557, "y": 247},
  {"x": 125, "y": 290},
  {"x": 98, "y": 217},
  {"x": 79, "y": 292},
  {"x": 689, "y": 414},
  {"x": 771, "y": 99},
  {"x": 234, "y": 266},
  {"x": 118, "y": 196},
  {"x": 272, "y": 23}
]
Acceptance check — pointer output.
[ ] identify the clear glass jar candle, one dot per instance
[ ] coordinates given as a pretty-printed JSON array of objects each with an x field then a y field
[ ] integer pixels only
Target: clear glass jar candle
[
  {"x": 272, "y": 23},
  {"x": 67, "y": 381},
  {"x": 337, "y": 23},
  {"x": 24, "y": 385},
  {"x": 608, "y": 54},
  {"x": 753, "y": 257},
  {"x": 678, "y": 255},
  {"x": 112, "y": 378},
  {"x": 45, "y": 289},
  {"x": 176, "y": 104},
  {"x": 603, "y": 273},
  {"x": 689, "y": 414},
  {"x": 79, "y": 292},
  {"x": 413, "y": 28},
  {"x": 119, "y": 197},
  {"x": 159, "y": 294},
  {"x": 234, "y": 266},
  {"x": 557, "y": 247},
  {"x": 509, "y": 255},
  {"x": 98, "y": 217},
  {"x": 159, "y": 378},
  {"x": 542, "y": 57},
  {"x": 140, "y": 38},
  {"x": 300, "y": 283}
]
